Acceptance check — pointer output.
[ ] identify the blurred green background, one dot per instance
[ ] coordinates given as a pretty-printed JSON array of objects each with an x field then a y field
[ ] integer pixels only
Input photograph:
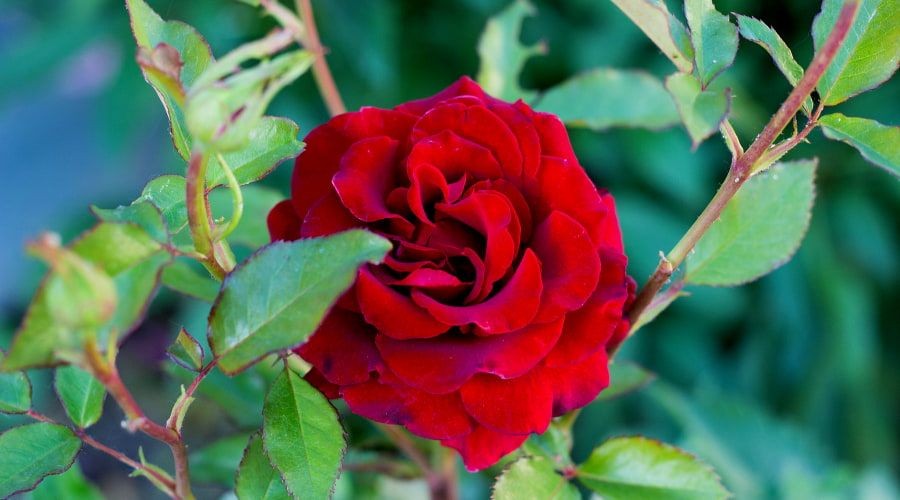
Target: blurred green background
[{"x": 788, "y": 386}]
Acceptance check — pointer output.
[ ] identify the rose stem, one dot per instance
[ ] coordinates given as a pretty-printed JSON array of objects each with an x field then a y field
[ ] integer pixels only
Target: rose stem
[
  {"x": 218, "y": 259},
  {"x": 741, "y": 168},
  {"x": 409, "y": 448},
  {"x": 108, "y": 375},
  {"x": 121, "y": 457},
  {"x": 172, "y": 423},
  {"x": 321, "y": 71}
]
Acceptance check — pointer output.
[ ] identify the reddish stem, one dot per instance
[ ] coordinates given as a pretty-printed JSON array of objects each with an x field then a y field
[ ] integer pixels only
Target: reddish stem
[{"x": 321, "y": 71}]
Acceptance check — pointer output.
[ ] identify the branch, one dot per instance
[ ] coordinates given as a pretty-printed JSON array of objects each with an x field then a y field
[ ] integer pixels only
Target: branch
[
  {"x": 321, "y": 72},
  {"x": 742, "y": 166}
]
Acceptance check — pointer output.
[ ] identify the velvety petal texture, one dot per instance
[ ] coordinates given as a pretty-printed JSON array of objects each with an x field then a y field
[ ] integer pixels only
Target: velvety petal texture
[{"x": 506, "y": 285}]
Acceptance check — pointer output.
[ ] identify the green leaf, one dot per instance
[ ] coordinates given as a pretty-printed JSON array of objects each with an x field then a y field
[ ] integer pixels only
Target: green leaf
[
  {"x": 302, "y": 436},
  {"x": 31, "y": 452},
  {"x": 169, "y": 73},
  {"x": 533, "y": 478},
  {"x": 664, "y": 29},
  {"x": 80, "y": 394},
  {"x": 217, "y": 462},
  {"x": 760, "y": 228},
  {"x": 141, "y": 213},
  {"x": 880, "y": 144},
  {"x": 252, "y": 231},
  {"x": 256, "y": 478},
  {"x": 167, "y": 194},
  {"x": 636, "y": 467},
  {"x": 758, "y": 32},
  {"x": 605, "y": 98},
  {"x": 625, "y": 377},
  {"x": 502, "y": 54},
  {"x": 15, "y": 391},
  {"x": 186, "y": 351},
  {"x": 714, "y": 38},
  {"x": 70, "y": 485},
  {"x": 126, "y": 253},
  {"x": 870, "y": 53},
  {"x": 183, "y": 278},
  {"x": 555, "y": 444},
  {"x": 702, "y": 111},
  {"x": 271, "y": 141},
  {"x": 278, "y": 297}
]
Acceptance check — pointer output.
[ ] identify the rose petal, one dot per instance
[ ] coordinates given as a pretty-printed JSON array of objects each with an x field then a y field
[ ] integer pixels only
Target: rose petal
[
  {"x": 443, "y": 364},
  {"x": 327, "y": 216},
  {"x": 315, "y": 378},
  {"x": 283, "y": 222},
  {"x": 522, "y": 127},
  {"x": 588, "y": 329},
  {"x": 513, "y": 307},
  {"x": 554, "y": 137},
  {"x": 514, "y": 406},
  {"x": 392, "y": 313},
  {"x": 342, "y": 348},
  {"x": 463, "y": 86},
  {"x": 564, "y": 186},
  {"x": 455, "y": 157},
  {"x": 483, "y": 447},
  {"x": 427, "y": 187},
  {"x": 570, "y": 266},
  {"x": 576, "y": 385}
]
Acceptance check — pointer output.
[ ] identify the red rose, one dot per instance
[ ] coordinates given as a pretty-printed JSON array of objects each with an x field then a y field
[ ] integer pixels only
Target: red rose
[{"x": 495, "y": 309}]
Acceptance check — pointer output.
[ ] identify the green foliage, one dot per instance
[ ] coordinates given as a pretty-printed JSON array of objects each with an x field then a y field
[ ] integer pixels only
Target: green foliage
[
  {"x": 533, "y": 478},
  {"x": 256, "y": 478},
  {"x": 183, "y": 278},
  {"x": 272, "y": 141},
  {"x": 502, "y": 54},
  {"x": 252, "y": 231},
  {"x": 80, "y": 394},
  {"x": 870, "y": 53},
  {"x": 605, "y": 98},
  {"x": 217, "y": 462},
  {"x": 702, "y": 111},
  {"x": 70, "y": 485},
  {"x": 31, "y": 452},
  {"x": 278, "y": 297},
  {"x": 554, "y": 445},
  {"x": 635, "y": 467},
  {"x": 625, "y": 377},
  {"x": 15, "y": 391},
  {"x": 186, "y": 351},
  {"x": 714, "y": 38},
  {"x": 880, "y": 144},
  {"x": 302, "y": 436},
  {"x": 664, "y": 29},
  {"x": 760, "y": 228}
]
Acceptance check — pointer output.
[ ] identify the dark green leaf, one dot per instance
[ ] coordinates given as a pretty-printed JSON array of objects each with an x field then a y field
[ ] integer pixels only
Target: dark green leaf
[
  {"x": 217, "y": 462},
  {"x": 70, "y": 485},
  {"x": 502, "y": 54},
  {"x": 760, "y": 228},
  {"x": 278, "y": 297},
  {"x": 167, "y": 194},
  {"x": 625, "y": 377},
  {"x": 664, "y": 29},
  {"x": 80, "y": 394},
  {"x": 867, "y": 57},
  {"x": 606, "y": 98},
  {"x": 271, "y": 141},
  {"x": 702, "y": 111},
  {"x": 714, "y": 38},
  {"x": 186, "y": 351},
  {"x": 256, "y": 478},
  {"x": 636, "y": 467},
  {"x": 169, "y": 73},
  {"x": 303, "y": 438},
  {"x": 31, "y": 452},
  {"x": 880, "y": 144},
  {"x": 758, "y": 32},
  {"x": 533, "y": 478},
  {"x": 15, "y": 391},
  {"x": 183, "y": 278}
]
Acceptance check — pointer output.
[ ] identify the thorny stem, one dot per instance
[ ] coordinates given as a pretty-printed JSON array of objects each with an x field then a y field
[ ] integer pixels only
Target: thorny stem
[
  {"x": 321, "y": 72},
  {"x": 742, "y": 166},
  {"x": 108, "y": 375},
  {"x": 121, "y": 457}
]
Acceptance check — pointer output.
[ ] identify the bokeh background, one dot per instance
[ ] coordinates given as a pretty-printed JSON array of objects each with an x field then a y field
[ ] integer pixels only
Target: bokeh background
[{"x": 789, "y": 386}]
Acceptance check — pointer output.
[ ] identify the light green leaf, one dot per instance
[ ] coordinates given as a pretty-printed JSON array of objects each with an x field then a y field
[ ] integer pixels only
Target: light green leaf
[
  {"x": 278, "y": 297},
  {"x": 702, "y": 111},
  {"x": 256, "y": 478},
  {"x": 271, "y": 141},
  {"x": 183, "y": 278},
  {"x": 186, "y": 351},
  {"x": 533, "y": 478},
  {"x": 605, "y": 98},
  {"x": 80, "y": 394},
  {"x": 31, "y": 452},
  {"x": 141, "y": 213},
  {"x": 637, "y": 467},
  {"x": 870, "y": 53},
  {"x": 502, "y": 54},
  {"x": 664, "y": 29},
  {"x": 167, "y": 194},
  {"x": 555, "y": 444},
  {"x": 758, "y": 32},
  {"x": 169, "y": 73},
  {"x": 302, "y": 436},
  {"x": 714, "y": 38},
  {"x": 880, "y": 144},
  {"x": 253, "y": 230},
  {"x": 760, "y": 228},
  {"x": 217, "y": 462},
  {"x": 130, "y": 257},
  {"x": 70, "y": 485},
  {"x": 625, "y": 377},
  {"x": 15, "y": 391}
]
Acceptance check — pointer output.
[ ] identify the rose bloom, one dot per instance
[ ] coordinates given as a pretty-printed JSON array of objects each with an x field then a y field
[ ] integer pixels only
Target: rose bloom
[{"x": 506, "y": 284}]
